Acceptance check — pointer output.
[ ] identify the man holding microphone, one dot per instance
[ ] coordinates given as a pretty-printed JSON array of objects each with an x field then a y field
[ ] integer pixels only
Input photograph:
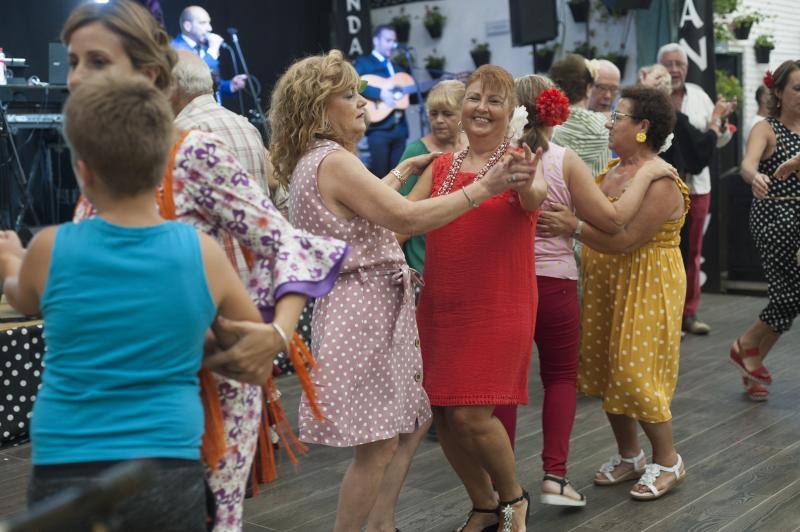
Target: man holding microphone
[{"x": 196, "y": 36}]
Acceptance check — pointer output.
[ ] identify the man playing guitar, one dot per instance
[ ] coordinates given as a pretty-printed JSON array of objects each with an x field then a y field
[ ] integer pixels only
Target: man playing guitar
[{"x": 386, "y": 138}]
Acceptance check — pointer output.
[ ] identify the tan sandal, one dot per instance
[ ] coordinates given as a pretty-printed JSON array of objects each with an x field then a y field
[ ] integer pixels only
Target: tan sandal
[
  {"x": 639, "y": 463},
  {"x": 648, "y": 480}
]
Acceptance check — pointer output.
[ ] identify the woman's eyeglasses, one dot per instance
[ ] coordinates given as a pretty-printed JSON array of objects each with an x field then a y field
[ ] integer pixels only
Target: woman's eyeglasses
[{"x": 616, "y": 114}]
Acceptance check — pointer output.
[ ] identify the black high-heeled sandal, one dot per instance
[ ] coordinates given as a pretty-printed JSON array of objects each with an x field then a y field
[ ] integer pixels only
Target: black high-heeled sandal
[
  {"x": 490, "y": 528},
  {"x": 507, "y": 511}
]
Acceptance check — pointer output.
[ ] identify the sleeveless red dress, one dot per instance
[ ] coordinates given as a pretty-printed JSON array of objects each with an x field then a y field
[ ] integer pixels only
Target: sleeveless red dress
[{"x": 477, "y": 311}]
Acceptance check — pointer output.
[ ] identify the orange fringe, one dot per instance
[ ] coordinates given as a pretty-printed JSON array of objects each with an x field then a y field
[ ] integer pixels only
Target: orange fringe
[
  {"x": 214, "y": 446},
  {"x": 264, "y": 466}
]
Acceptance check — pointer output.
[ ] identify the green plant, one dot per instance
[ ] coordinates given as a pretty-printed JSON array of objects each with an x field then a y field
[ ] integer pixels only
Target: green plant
[
  {"x": 434, "y": 17},
  {"x": 546, "y": 49},
  {"x": 585, "y": 49},
  {"x": 401, "y": 59},
  {"x": 722, "y": 32},
  {"x": 729, "y": 86},
  {"x": 479, "y": 47},
  {"x": 615, "y": 56},
  {"x": 401, "y": 20},
  {"x": 765, "y": 41},
  {"x": 748, "y": 19},
  {"x": 724, "y": 7},
  {"x": 435, "y": 61}
]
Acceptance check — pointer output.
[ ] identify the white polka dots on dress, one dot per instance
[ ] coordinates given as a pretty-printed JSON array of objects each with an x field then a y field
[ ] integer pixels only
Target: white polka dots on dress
[{"x": 363, "y": 333}]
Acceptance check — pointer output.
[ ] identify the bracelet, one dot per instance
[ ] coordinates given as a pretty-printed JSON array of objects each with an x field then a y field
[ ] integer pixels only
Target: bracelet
[
  {"x": 472, "y": 203},
  {"x": 578, "y": 230},
  {"x": 396, "y": 173},
  {"x": 282, "y": 334}
]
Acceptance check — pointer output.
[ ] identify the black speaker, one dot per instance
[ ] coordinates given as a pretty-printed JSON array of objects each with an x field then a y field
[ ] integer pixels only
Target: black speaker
[
  {"x": 619, "y": 5},
  {"x": 532, "y": 21}
]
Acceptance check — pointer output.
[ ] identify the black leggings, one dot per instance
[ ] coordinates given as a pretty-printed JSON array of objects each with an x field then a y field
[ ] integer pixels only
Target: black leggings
[{"x": 174, "y": 501}]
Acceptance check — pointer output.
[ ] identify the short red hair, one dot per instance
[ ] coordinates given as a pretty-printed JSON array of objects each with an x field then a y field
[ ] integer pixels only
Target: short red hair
[{"x": 495, "y": 78}]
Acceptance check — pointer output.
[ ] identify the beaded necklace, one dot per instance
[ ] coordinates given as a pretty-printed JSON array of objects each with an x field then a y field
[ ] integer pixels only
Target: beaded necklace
[{"x": 458, "y": 160}]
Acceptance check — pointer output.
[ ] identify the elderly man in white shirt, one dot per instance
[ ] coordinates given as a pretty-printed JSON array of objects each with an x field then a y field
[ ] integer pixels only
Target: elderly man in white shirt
[{"x": 691, "y": 100}]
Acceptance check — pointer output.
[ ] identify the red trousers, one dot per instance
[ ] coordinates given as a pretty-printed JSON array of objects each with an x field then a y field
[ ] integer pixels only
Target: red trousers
[
  {"x": 557, "y": 337},
  {"x": 695, "y": 220}
]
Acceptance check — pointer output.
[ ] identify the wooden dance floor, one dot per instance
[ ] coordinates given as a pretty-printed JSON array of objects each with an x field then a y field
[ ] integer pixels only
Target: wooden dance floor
[{"x": 743, "y": 458}]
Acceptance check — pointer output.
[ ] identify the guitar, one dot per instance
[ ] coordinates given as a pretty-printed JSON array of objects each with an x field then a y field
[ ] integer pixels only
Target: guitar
[{"x": 401, "y": 85}]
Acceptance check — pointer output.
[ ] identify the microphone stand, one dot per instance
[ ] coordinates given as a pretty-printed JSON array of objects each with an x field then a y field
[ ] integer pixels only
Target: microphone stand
[
  {"x": 423, "y": 119},
  {"x": 262, "y": 119},
  {"x": 236, "y": 72}
]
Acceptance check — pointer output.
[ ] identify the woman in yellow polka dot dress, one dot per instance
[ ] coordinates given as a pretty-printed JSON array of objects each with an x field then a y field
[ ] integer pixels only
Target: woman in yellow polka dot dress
[{"x": 634, "y": 286}]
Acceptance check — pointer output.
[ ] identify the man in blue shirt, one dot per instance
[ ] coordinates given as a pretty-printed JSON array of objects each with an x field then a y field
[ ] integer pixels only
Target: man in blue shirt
[
  {"x": 387, "y": 138},
  {"x": 196, "y": 36}
]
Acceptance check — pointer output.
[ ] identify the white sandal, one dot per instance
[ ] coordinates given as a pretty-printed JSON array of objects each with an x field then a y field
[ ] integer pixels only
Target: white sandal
[
  {"x": 648, "y": 480},
  {"x": 607, "y": 468}
]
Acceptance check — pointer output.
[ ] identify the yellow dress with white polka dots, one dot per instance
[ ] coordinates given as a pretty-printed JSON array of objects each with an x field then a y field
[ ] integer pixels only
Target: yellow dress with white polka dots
[{"x": 631, "y": 323}]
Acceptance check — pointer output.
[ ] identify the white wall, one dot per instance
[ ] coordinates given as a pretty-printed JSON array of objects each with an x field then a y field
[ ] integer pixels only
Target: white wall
[
  {"x": 784, "y": 27},
  {"x": 468, "y": 19}
]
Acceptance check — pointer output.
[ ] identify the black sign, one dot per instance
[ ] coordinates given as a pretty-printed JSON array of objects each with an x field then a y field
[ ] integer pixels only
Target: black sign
[
  {"x": 696, "y": 37},
  {"x": 352, "y": 27},
  {"x": 388, "y": 3}
]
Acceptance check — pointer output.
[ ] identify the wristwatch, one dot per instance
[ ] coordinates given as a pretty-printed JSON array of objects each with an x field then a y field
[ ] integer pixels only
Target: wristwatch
[{"x": 578, "y": 230}]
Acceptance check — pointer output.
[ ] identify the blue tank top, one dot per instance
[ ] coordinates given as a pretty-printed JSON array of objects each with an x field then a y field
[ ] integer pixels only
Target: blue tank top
[{"x": 125, "y": 312}]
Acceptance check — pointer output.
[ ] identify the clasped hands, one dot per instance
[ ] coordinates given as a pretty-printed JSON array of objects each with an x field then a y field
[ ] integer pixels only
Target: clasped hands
[
  {"x": 250, "y": 358},
  {"x": 761, "y": 182},
  {"x": 516, "y": 170}
]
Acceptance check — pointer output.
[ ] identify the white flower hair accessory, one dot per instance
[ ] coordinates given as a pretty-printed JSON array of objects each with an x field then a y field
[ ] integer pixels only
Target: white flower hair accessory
[
  {"x": 667, "y": 143},
  {"x": 593, "y": 67},
  {"x": 517, "y": 124}
]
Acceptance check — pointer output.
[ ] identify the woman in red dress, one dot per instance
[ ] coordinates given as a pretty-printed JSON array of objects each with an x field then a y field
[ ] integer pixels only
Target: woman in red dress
[{"x": 477, "y": 311}]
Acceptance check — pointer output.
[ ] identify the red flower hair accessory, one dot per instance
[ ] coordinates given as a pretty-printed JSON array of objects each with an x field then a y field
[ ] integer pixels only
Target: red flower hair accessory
[
  {"x": 768, "y": 81},
  {"x": 552, "y": 107}
]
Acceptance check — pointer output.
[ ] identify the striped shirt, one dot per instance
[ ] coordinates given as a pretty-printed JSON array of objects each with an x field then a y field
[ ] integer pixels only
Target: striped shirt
[{"x": 586, "y": 134}]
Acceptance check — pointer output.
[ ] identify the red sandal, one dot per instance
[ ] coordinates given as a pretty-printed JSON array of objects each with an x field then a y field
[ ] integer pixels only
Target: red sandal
[
  {"x": 755, "y": 391},
  {"x": 760, "y": 374}
]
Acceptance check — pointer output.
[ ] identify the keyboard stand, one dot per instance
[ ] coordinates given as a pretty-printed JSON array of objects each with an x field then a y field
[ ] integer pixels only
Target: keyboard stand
[{"x": 10, "y": 156}]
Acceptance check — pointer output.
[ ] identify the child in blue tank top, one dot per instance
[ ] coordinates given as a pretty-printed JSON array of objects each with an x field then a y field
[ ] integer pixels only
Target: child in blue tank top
[{"x": 126, "y": 298}]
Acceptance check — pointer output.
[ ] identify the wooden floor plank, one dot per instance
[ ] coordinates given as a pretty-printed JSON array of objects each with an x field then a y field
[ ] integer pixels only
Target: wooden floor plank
[{"x": 743, "y": 458}]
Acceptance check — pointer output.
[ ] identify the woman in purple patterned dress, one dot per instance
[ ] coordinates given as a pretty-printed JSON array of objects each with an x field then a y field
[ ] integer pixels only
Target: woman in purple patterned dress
[
  {"x": 213, "y": 192},
  {"x": 364, "y": 333}
]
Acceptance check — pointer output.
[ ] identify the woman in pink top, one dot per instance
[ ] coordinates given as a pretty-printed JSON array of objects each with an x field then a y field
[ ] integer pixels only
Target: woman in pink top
[{"x": 570, "y": 183}]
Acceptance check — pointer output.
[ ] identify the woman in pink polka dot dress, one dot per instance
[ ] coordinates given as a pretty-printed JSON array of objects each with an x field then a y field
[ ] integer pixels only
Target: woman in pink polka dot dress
[{"x": 364, "y": 332}]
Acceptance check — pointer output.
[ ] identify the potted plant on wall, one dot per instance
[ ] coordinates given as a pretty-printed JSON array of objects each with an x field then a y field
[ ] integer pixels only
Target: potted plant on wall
[
  {"x": 402, "y": 26},
  {"x": 620, "y": 59},
  {"x": 729, "y": 86},
  {"x": 585, "y": 49},
  {"x": 743, "y": 23},
  {"x": 725, "y": 7},
  {"x": 434, "y": 21},
  {"x": 435, "y": 65},
  {"x": 543, "y": 57},
  {"x": 580, "y": 10},
  {"x": 481, "y": 54},
  {"x": 722, "y": 34},
  {"x": 763, "y": 46}
]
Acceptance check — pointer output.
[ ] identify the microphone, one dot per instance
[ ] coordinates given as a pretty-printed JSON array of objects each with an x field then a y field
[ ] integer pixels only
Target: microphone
[{"x": 397, "y": 45}]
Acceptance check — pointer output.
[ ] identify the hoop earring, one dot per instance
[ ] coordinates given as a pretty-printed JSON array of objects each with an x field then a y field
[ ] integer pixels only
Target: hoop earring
[
  {"x": 641, "y": 137},
  {"x": 460, "y": 127}
]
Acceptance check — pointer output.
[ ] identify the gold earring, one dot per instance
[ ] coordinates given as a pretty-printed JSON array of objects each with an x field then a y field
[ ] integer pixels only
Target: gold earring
[
  {"x": 460, "y": 126},
  {"x": 641, "y": 137}
]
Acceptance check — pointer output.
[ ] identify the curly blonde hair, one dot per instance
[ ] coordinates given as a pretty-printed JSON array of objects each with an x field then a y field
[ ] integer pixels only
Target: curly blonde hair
[{"x": 299, "y": 103}]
